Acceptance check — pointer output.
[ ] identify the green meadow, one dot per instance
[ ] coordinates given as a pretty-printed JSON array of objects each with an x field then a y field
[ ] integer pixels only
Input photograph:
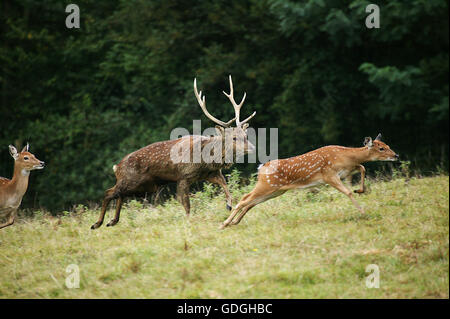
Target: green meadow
[{"x": 304, "y": 244}]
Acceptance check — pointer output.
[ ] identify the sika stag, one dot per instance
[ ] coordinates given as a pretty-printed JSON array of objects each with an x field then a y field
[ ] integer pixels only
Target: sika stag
[{"x": 147, "y": 169}]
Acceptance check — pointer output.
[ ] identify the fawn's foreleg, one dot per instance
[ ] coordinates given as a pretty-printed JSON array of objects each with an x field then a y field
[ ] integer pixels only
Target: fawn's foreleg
[{"x": 336, "y": 182}]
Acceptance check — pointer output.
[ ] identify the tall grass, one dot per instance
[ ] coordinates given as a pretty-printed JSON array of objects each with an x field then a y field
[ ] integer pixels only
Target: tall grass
[{"x": 304, "y": 244}]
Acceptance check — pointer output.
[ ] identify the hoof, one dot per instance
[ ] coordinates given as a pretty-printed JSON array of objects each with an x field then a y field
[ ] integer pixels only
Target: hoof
[
  {"x": 222, "y": 226},
  {"x": 95, "y": 226},
  {"x": 111, "y": 223},
  {"x": 229, "y": 207}
]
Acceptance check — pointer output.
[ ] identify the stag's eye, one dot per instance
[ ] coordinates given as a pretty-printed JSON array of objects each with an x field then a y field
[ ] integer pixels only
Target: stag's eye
[
  {"x": 26, "y": 158},
  {"x": 234, "y": 139},
  {"x": 381, "y": 149}
]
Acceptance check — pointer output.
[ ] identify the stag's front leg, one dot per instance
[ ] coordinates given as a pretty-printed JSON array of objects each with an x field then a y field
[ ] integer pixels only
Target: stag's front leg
[
  {"x": 10, "y": 221},
  {"x": 220, "y": 180},
  {"x": 362, "y": 170},
  {"x": 183, "y": 195}
]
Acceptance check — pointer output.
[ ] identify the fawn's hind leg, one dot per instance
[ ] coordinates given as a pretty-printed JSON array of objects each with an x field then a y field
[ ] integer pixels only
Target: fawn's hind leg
[
  {"x": 255, "y": 197},
  {"x": 236, "y": 220},
  {"x": 236, "y": 210},
  {"x": 254, "y": 203}
]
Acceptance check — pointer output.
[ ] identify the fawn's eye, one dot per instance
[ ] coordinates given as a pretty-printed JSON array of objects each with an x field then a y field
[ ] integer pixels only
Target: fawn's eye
[
  {"x": 26, "y": 158},
  {"x": 381, "y": 149}
]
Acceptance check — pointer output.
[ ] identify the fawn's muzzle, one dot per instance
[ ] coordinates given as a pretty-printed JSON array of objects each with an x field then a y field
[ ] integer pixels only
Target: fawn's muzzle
[{"x": 40, "y": 166}]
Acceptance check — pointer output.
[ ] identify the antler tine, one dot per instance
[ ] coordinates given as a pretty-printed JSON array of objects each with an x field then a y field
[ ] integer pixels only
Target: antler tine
[
  {"x": 248, "y": 118},
  {"x": 202, "y": 102},
  {"x": 231, "y": 121},
  {"x": 237, "y": 107}
]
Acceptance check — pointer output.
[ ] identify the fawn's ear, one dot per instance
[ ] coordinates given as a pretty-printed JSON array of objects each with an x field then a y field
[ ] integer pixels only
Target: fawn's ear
[
  {"x": 220, "y": 130},
  {"x": 26, "y": 148},
  {"x": 368, "y": 142},
  {"x": 378, "y": 138},
  {"x": 13, "y": 152}
]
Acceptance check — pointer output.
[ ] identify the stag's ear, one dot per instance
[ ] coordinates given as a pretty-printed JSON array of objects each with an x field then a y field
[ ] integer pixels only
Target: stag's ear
[
  {"x": 26, "y": 148},
  {"x": 220, "y": 130},
  {"x": 13, "y": 152},
  {"x": 378, "y": 138},
  {"x": 368, "y": 142},
  {"x": 245, "y": 126}
]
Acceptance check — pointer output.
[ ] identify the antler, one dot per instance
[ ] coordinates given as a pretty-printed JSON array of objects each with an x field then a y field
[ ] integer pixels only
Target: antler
[
  {"x": 202, "y": 102},
  {"x": 237, "y": 107}
]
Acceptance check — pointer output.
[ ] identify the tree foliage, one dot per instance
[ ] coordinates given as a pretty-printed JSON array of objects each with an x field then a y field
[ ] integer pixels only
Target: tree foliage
[{"x": 86, "y": 97}]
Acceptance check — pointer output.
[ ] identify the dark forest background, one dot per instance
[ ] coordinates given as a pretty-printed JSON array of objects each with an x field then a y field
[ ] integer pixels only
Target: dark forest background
[{"x": 86, "y": 97}]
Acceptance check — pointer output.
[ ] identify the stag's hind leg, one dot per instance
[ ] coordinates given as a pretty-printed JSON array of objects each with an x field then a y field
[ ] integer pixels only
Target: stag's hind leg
[
  {"x": 109, "y": 196},
  {"x": 117, "y": 215}
]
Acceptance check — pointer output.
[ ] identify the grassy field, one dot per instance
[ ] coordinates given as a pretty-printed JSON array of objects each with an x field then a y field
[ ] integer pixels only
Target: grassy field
[{"x": 301, "y": 245}]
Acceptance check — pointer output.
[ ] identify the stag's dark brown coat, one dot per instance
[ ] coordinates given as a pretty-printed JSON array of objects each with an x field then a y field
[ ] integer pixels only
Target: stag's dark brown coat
[{"x": 147, "y": 169}]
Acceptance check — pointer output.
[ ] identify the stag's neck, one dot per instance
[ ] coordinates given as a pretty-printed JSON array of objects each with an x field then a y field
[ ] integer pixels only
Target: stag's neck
[
  {"x": 220, "y": 141},
  {"x": 19, "y": 182}
]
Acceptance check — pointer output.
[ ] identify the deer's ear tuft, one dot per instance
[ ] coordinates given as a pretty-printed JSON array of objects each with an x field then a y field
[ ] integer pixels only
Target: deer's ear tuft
[
  {"x": 13, "y": 152},
  {"x": 368, "y": 142},
  {"x": 378, "y": 138}
]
